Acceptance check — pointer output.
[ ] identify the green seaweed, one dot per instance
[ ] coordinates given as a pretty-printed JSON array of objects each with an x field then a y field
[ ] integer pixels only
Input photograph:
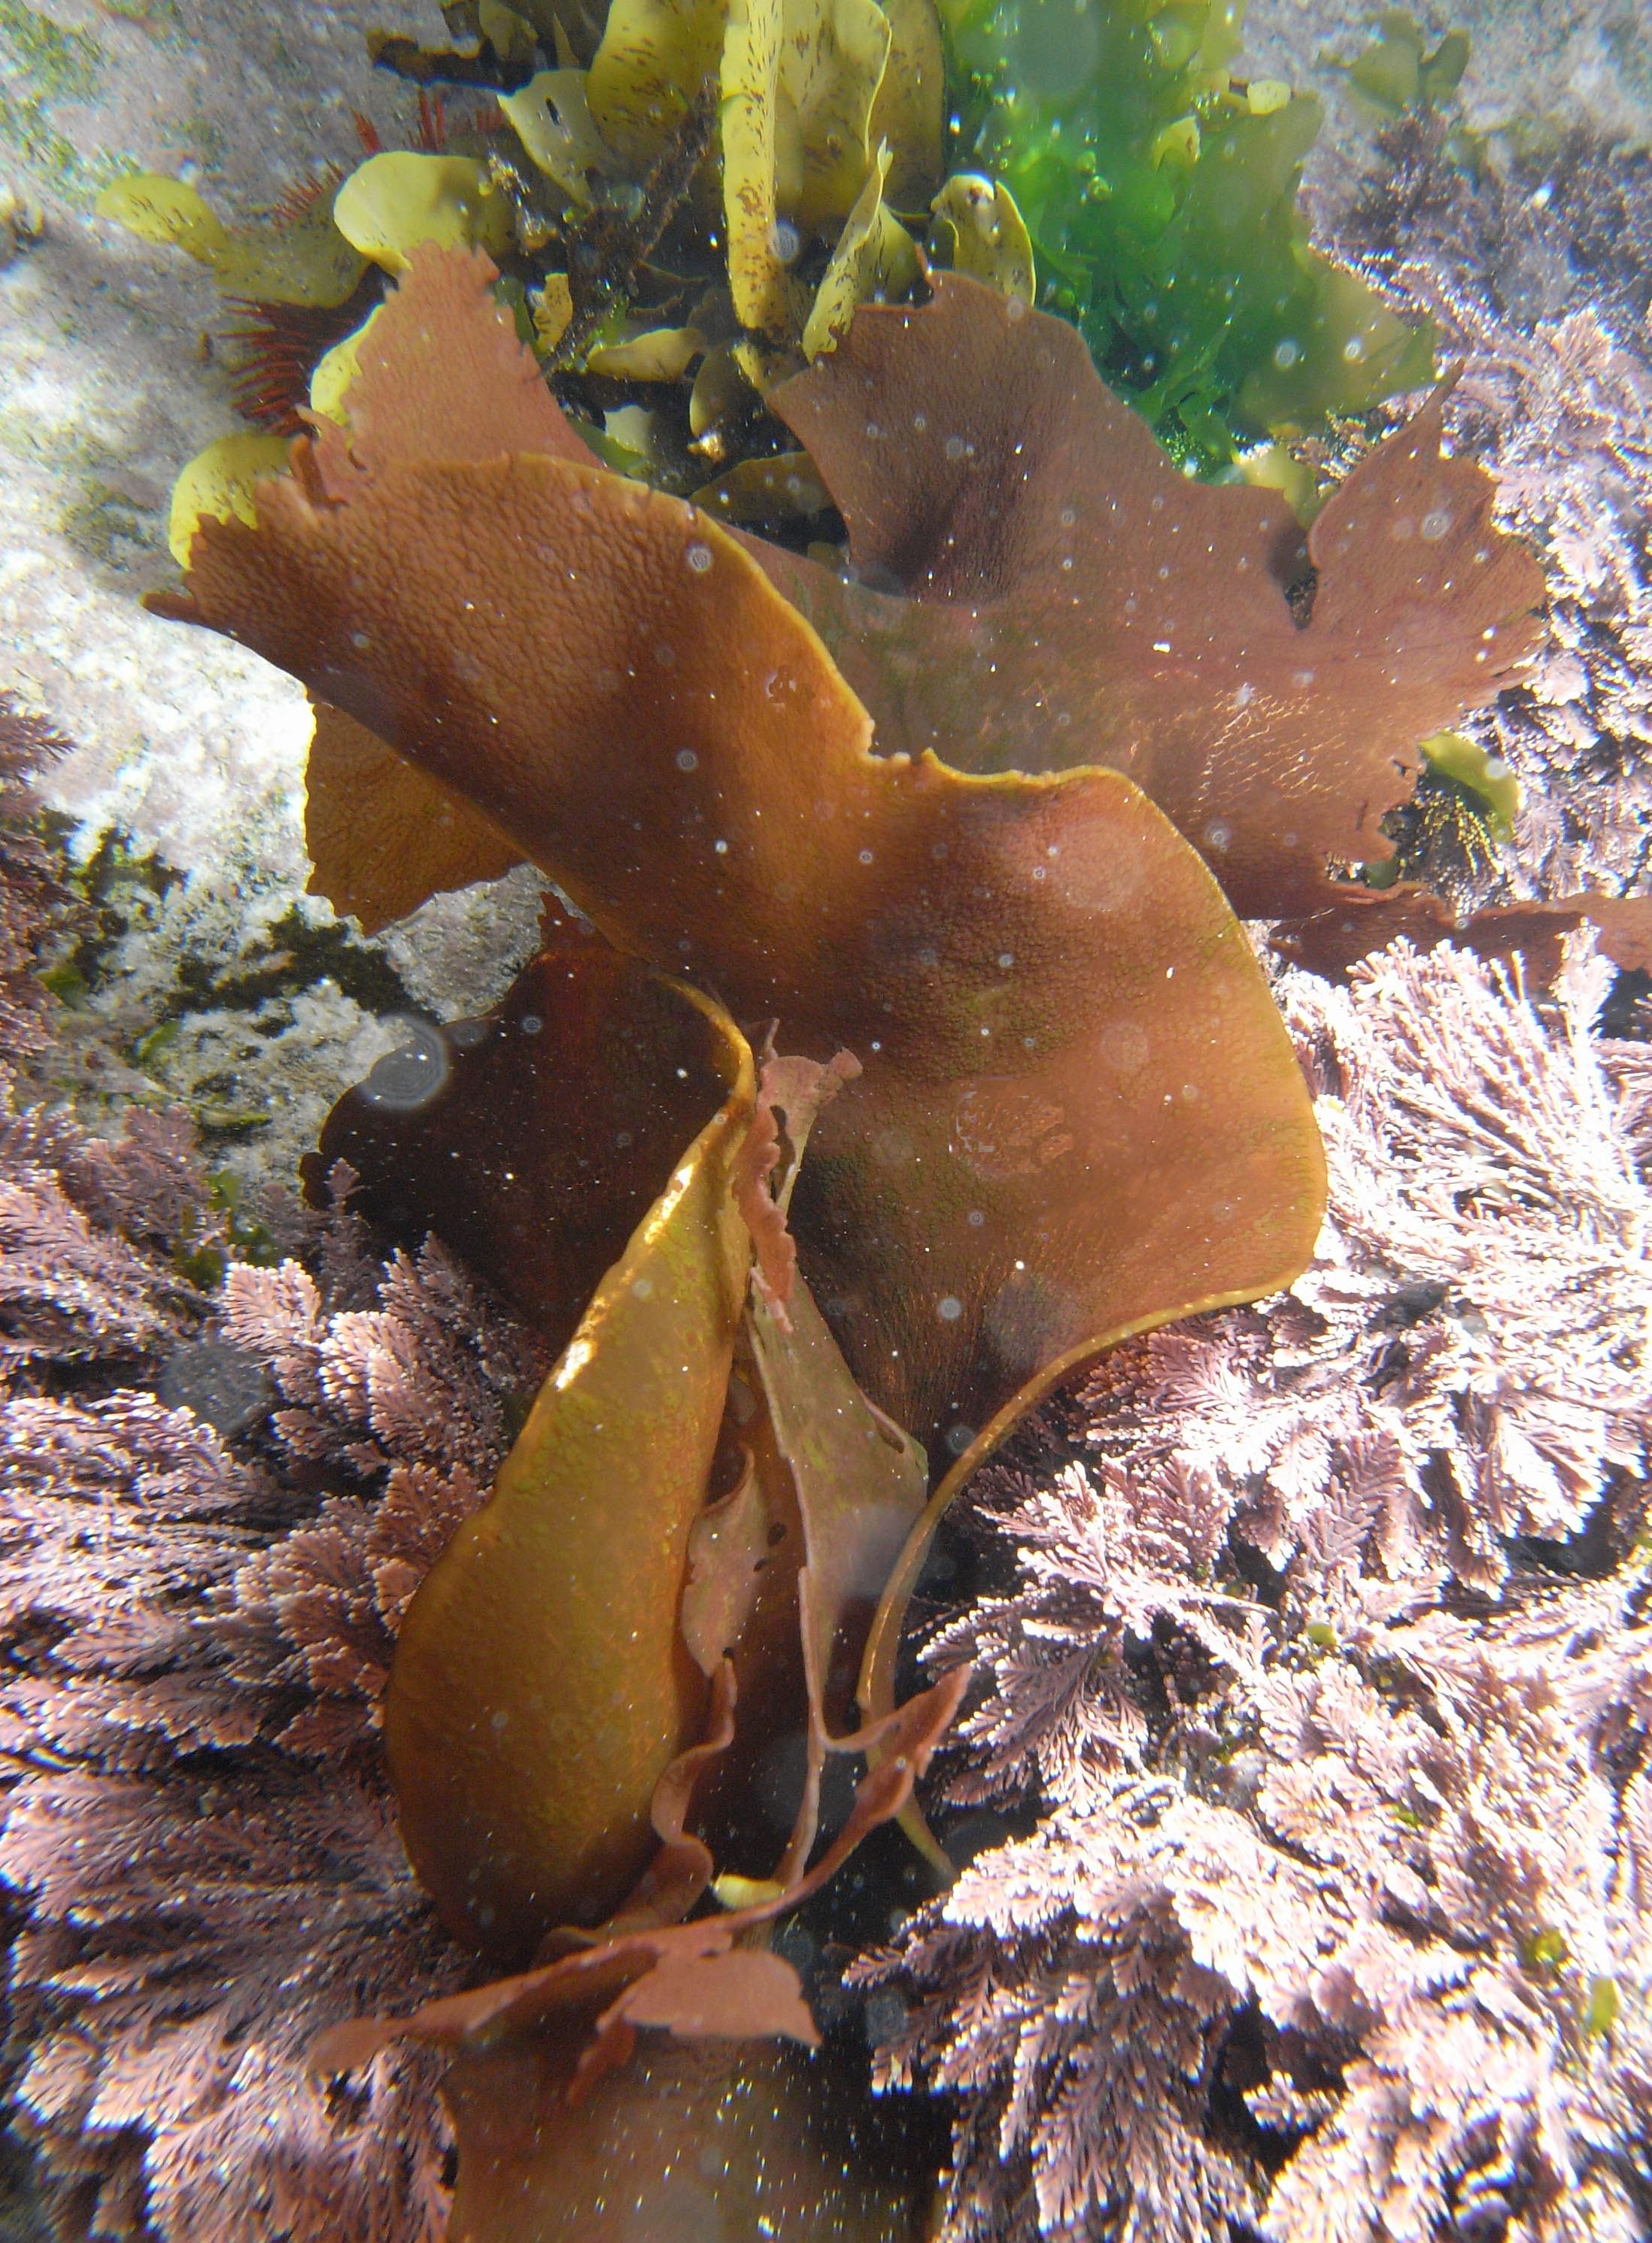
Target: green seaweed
[
  {"x": 1486, "y": 780},
  {"x": 1161, "y": 193}
]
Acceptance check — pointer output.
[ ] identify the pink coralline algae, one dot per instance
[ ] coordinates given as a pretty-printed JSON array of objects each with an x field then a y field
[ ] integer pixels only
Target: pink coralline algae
[
  {"x": 28, "y": 886},
  {"x": 1536, "y": 278},
  {"x": 199, "y": 1832},
  {"x": 1327, "y": 1662},
  {"x": 73, "y": 1287}
]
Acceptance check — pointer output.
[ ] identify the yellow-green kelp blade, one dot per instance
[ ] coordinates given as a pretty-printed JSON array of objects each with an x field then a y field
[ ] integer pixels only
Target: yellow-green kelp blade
[{"x": 541, "y": 1684}]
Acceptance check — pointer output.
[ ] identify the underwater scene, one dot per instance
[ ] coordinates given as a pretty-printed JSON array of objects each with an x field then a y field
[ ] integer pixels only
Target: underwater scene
[{"x": 825, "y": 1121}]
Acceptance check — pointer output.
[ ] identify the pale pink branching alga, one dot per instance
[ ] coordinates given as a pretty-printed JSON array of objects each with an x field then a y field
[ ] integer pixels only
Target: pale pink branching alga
[{"x": 1326, "y": 1661}]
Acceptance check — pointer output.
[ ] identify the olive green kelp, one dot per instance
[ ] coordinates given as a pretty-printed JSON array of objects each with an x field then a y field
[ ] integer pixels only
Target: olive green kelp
[{"x": 1075, "y": 1114}]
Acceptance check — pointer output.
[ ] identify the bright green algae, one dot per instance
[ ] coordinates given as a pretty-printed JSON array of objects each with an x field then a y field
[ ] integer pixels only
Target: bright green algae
[{"x": 1161, "y": 190}]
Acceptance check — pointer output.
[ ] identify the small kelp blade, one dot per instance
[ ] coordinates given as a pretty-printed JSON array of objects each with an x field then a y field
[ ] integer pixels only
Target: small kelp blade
[
  {"x": 541, "y": 1687},
  {"x": 383, "y": 835}
]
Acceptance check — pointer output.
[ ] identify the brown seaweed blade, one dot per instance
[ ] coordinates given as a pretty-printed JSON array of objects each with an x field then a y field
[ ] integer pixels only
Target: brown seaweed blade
[
  {"x": 380, "y": 834},
  {"x": 541, "y": 1689},
  {"x": 522, "y": 1640},
  {"x": 610, "y": 1971},
  {"x": 858, "y": 1484},
  {"x": 1080, "y": 1113},
  {"x": 548, "y": 2127},
  {"x": 383, "y": 836},
  {"x": 516, "y": 1645},
  {"x": 1035, "y": 585},
  {"x": 442, "y": 375},
  {"x": 1355, "y": 920}
]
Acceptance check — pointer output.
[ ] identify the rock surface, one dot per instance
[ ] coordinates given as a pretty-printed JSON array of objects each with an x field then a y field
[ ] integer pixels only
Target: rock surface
[{"x": 113, "y": 373}]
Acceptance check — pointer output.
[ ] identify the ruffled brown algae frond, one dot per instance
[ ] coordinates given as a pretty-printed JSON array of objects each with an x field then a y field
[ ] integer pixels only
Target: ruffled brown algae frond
[
  {"x": 623, "y": 695},
  {"x": 1077, "y": 1115},
  {"x": 1032, "y": 583}
]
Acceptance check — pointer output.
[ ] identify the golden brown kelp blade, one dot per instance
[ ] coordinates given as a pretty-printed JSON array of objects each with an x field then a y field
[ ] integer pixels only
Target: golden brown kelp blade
[
  {"x": 1036, "y": 585},
  {"x": 601, "y": 1994},
  {"x": 1083, "y": 1119},
  {"x": 910, "y": 110},
  {"x": 380, "y": 843},
  {"x": 1065, "y": 1036},
  {"x": 682, "y": 1868},
  {"x": 541, "y": 1687},
  {"x": 741, "y": 1602},
  {"x": 383, "y": 835},
  {"x": 858, "y": 1484},
  {"x": 706, "y": 2137},
  {"x": 551, "y": 2129}
]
